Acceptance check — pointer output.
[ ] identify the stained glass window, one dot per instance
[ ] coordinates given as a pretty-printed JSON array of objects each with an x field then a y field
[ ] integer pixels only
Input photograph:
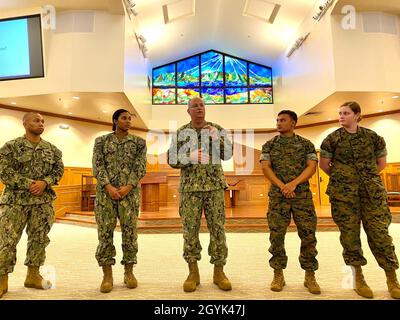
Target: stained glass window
[
  {"x": 212, "y": 69},
  {"x": 212, "y": 95},
  {"x": 164, "y": 76},
  {"x": 236, "y": 95},
  {"x": 184, "y": 95},
  {"x": 261, "y": 95},
  {"x": 188, "y": 72},
  {"x": 164, "y": 96},
  {"x": 259, "y": 75},
  {"x": 216, "y": 77},
  {"x": 235, "y": 72}
]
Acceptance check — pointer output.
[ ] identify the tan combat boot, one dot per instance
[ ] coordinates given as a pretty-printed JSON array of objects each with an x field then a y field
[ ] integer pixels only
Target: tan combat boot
[
  {"x": 393, "y": 284},
  {"x": 35, "y": 280},
  {"x": 107, "y": 284},
  {"x": 129, "y": 278},
  {"x": 193, "y": 279},
  {"x": 311, "y": 283},
  {"x": 361, "y": 286},
  {"x": 220, "y": 279},
  {"x": 278, "y": 282},
  {"x": 3, "y": 284}
]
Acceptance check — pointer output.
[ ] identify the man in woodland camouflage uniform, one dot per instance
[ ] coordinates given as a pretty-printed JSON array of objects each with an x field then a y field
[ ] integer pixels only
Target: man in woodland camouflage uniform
[
  {"x": 119, "y": 162},
  {"x": 197, "y": 149},
  {"x": 29, "y": 166},
  {"x": 288, "y": 161}
]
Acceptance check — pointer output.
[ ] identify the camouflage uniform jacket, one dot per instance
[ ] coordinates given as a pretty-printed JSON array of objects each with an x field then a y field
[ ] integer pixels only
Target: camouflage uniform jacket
[
  {"x": 119, "y": 163},
  {"x": 354, "y": 162},
  {"x": 21, "y": 163},
  {"x": 288, "y": 157},
  {"x": 196, "y": 176}
]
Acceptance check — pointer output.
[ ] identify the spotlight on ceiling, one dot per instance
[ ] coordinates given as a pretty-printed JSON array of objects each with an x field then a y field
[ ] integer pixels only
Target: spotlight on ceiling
[{"x": 64, "y": 126}]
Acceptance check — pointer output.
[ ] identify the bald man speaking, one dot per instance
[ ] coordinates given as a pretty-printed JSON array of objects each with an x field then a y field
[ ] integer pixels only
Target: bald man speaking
[{"x": 29, "y": 166}]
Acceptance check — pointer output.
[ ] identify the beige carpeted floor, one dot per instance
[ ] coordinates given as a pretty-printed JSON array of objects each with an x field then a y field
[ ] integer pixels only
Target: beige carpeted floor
[{"x": 161, "y": 269}]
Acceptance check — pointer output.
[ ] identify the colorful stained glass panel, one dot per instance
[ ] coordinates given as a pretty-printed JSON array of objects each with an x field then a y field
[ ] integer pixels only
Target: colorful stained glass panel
[
  {"x": 261, "y": 95},
  {"x": 212, "y": 69},
  {"x": 235, "y": 72},
  {"x": 259, "y": 75},
  {"x": 184, "y": 95},
  {"x": 163, "y": 96},
  {"x": 188, "y": 72},
  {"x": 164, "y": 76},
  {"x": 212, "y": 95},
  {"x": 236, "y": 95}
]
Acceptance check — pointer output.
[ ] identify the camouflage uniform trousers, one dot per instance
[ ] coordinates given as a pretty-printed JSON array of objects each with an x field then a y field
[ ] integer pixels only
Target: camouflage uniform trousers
[
  {"x": 191, "y": 207},
  {"x": 376, "y": 218},
  {"x": 107, "y": 211},
  {"x": 304, "y": 216},
  {"x": 38, "y": 220}
]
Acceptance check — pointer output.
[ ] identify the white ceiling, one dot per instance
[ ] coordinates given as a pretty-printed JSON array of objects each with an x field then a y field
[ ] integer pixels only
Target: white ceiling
[
  {"x": 217, "y": 24},
  {"x": 98, "y": 106},
  {"x": 113, "y": 6},
  {"x": 389, "y": 6},
  {"x": 370, "y": 102},
  {"x": 220, "y": 25}
]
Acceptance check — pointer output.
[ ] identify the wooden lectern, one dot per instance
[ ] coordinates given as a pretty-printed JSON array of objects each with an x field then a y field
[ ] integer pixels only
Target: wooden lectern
[{"x": 150, "y": 187}]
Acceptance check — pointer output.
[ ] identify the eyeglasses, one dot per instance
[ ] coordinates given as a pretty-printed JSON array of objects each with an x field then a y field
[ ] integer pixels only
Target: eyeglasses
[{"x": 201, "y": 106}]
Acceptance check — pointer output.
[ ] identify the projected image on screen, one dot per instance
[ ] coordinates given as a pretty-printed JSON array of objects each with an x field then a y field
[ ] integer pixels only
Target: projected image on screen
[
  {"x": 14, "y": 48},
  {"x": 188, "y": 72},
  {"x": 216, "y": 77},
  {"x": 21, "y": 48}
]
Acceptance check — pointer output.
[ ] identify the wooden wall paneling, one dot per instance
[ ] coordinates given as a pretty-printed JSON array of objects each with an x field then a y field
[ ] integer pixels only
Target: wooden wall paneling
[
  {"x": 314, "y": 187},
  {"x": 258, "y": 194},
  {"x": 237, "y": 148},
  {"x": 68, "y": 199},
  {"x": 173, "y": 192},
  {"x": 163, "y": 194},
  {"x": 152, "y": 164},
  {"x": 75, "y": 175}
]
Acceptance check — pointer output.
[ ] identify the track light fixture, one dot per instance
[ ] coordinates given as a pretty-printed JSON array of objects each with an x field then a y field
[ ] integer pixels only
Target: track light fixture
[
  {"x": 129, "y": 6},
  {"x": 323, "y": 9},
  {"x": 297, "y": 44}
]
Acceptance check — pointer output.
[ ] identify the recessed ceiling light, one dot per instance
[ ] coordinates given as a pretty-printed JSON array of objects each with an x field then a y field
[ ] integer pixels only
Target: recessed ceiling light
[
  {"x": 395, "y": 97},
  {"x": 13, "y": 102},
  {"x": 329, "y": 119},
  {"x": 380, "y": 110},
  {"x": 64, "y": 126},
  {"x": 104, "y": 111},
  {"x": 69, "y": 112},
  {"x": 76, "y": 98}
]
